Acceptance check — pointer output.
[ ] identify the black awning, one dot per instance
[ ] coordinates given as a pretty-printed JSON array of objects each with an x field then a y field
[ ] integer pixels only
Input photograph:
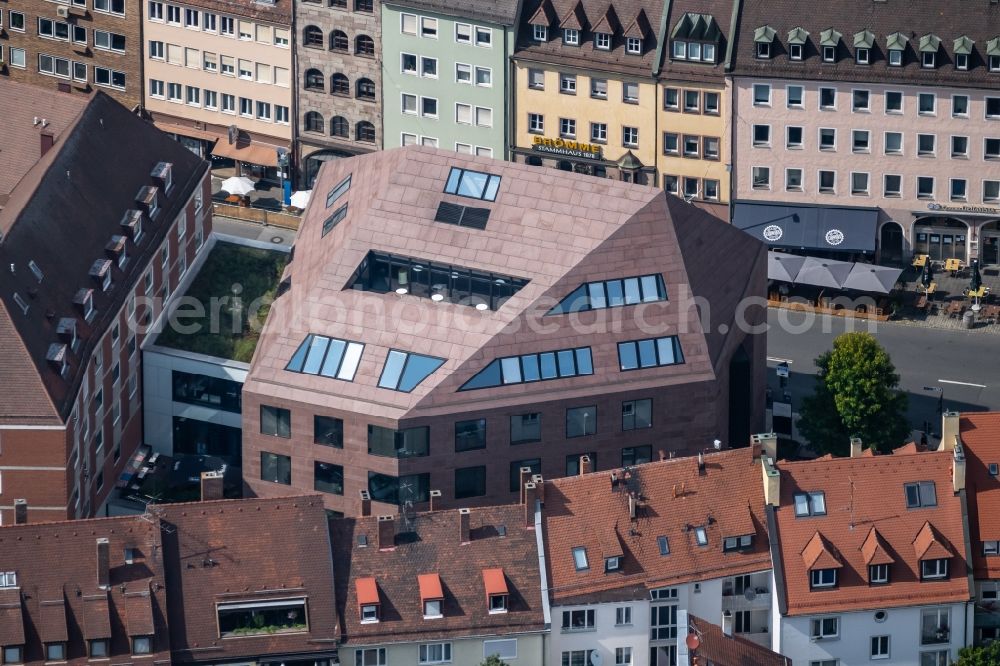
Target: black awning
[{"x": 809, "y": 227}]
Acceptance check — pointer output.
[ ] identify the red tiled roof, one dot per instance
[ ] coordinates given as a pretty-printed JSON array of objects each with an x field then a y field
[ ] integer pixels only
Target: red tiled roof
[
  {"x": 52, "y": 620},
  {"x": 96, "y": 616},
  {"x": 980, "y": 434},
  {"x": 819, "y": 554},
  {"x": 717, "y": 649},
  {"x": 494, "y": 581},
  {"x": 929, "y": 545},
  {"x": 874, "y": 549},
  {"x": 585, "y": 511},
  {"x": 367, "y": 590},
  {"x": 11, "y": 617},
  {"x": 139, "y": 613},
  {"x": 511, "y": 552},
  {"x": 862, "y": 493},
  {"x": 430, "y": 586}
]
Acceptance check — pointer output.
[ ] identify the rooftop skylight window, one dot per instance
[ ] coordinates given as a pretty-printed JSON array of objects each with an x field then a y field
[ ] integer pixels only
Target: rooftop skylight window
[
  {"x": 328, "y": 357},
  {"x": 338, "y": 191},
  {"x": 473, "y": 184},
  {"x": 650, "y": 353},
  {"x": 612, "y": 294},
  {"x": 532, "y": 368},
  {"x": 403, "y": 371}
]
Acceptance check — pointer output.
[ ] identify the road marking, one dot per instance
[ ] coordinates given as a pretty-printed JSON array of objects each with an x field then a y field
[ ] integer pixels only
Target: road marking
[
  {"x": 948, "y": 381},
  {"x": 773, "y": 359}
]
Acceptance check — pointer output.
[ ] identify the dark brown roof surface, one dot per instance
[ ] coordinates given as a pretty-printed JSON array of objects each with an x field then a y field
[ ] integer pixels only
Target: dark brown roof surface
[
  {"x": 981, "y": 441},
  {"x": 977, "y": 19},
  {"x": 721, "y": 650},
  {"x": 861, "y": 493},
  {"x": 437, "y": 548},
  {"x": 502, "y": 12},
  {"x": 278, "y": 12},
  {"x": 583, "y": 511},
  {"x": 246, "y": 550},
  {"x": 61, "y": 216},
  {"x": 56, "y": 568}
]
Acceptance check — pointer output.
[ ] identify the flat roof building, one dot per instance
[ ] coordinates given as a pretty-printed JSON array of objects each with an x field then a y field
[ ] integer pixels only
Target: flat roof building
[{"x": 449, "y": 320}]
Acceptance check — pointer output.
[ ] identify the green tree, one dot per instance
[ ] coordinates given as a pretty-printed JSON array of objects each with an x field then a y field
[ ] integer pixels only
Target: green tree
[
  {"x": 493, "y": 660},
  {"x": 988, "y": 655},
  {"x": 857, "y": 395}
]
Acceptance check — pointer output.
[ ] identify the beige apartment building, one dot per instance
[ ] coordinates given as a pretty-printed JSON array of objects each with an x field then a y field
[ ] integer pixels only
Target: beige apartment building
[{"x": 218, "y": 77}]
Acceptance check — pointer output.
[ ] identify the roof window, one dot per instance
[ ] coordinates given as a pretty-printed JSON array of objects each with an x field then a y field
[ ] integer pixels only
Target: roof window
[
  {"x": 580, "y": 558},
  {"x": 558, "y": 364},
  {"x": 431, "y": 595},
  {"x": 809, "y": 504},
  {"x": 403, "y": 371},
  {"x": 741, "y": 542},
  {"x": 462, "y": 216},
  {"x": 664, "y": 545},
  {"x": 473, "y": 184},
  {"x": 649, "y": 353},
  {"x": 920, "y": 494},
  {"x": 612, "y": 294},
  {"x": 36, "y": 271},
  {"x": 163, "y": 172},
  {"x": 329, "y": 357},
  {"x": 368, "y": 600},
  {"x": 21, "y": 303},
  {"x": 338, "y": 191},
  {"x": 701, "y": 535},
  {"x": 497, "y": 595},
  {"x": 335, "y": 218}
]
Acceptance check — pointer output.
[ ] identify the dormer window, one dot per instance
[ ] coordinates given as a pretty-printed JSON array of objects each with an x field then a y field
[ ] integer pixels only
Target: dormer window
[
  {"x": 795, "y": 51},
  {"x": 991, "y": 548},
  {"x": 829, "y": 54},
  {"x": 602, "y": 41},
  {"x": 737, "y": 543},
  {"x": 67, "y": 332},
  {"x": 571, "y": 37},
  {"x": 541, "y": 33},
  {"x": 862, "y": 56},
  {"x": 142, "y": 645},
  {"x": 895, "y": 57},
  {"x": 763, "y": 37},
  {"x": 56, "y": 356},
  {"x": 123, "y": 256},
  {"x": 106, "y": 281},
  {"x": 878, "y": 574},
  {"x": 498, "y": 603},
  {"x": 933, "y": 569},
  {"x": 163, "y": 172},
  {"x": 633, "y": 45},
  {"x": 994, "y": 469},
  {"x": 369, "y": 614},
  {"x": 962, "y": 61},
  {"x": 820, "y": 578},
  {"x": 496, "y": 590},
  {"x": 612, "y": 564},
  {"x": 432, "y": 609},
  {"x": 431, "y": 595},
  {"x": 147, "y": 200},
  {"x": 994, "y": 63},
  {"x": 368, "y": 600},
  {"x": 928, "y": 60},
  {"x": 763, "y": 50}
]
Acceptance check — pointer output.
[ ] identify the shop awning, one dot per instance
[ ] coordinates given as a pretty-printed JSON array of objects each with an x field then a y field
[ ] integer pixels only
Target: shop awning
[
  {"x": 828, "y": 228},
  {"x": 186, "y": 131},
  {"x": 261, "y": 154}
]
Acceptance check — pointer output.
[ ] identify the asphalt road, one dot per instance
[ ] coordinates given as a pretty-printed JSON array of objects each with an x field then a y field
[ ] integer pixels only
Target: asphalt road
[{"x": 964, "y": 364}]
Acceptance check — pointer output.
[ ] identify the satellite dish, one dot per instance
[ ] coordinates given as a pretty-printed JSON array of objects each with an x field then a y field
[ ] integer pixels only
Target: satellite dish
[
  {"x": 749, "y": 594},
  {"x": 596, "y": 659},
  {"x": 693, "y": 642}
]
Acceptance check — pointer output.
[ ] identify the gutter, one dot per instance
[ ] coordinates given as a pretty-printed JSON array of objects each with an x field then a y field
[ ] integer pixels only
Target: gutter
[
  {"x": 776, "y": 563},
  {"x": 662, "y": 41},
  {"x": 733, "y": 23},
  {"x": 542, "y": 571},
  {"x": 968, "y": 564}
]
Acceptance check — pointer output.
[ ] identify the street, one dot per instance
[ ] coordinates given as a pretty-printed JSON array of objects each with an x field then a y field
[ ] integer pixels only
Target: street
[{"x": 963, "y": 364}]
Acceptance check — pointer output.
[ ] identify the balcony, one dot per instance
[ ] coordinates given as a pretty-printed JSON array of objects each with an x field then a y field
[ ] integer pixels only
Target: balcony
[
  {"x": 762, "y": 638},
  {"x": 752, "y": 598}
]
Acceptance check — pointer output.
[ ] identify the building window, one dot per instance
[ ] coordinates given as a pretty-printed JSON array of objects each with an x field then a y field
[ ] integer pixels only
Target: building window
[
  {"x": 364, "y": 46},
  {"x": 567, "y": 84},
  {"x": 580, "y": 564},
  {"x": 633, "y": 45},
  {"x": 862, "y": 56},
  {"x": 861, "y": 101},
  {"x": 328, "y": 431},
  {"x": 793, "y": 180},
  {"x": 925, "y": 190},
  {"x": 581, "y": 421},
  {"x": 761, "y": 178},
  {"x": 428, "y": 27},
  {"x": 338, "y": 41},
  {"x": 406, "y": 443},
  {"x": 895, "y": 58},
  {"x": 663, "y": 618},
  {"x": 275, "y": 468},
  {"x": 920, "y": 494},
  {"x": 710, "y": 147},
  {"x": 711, "y": 100},
  {"x": 536, "y": 79},
  {"x": 630, "y": 137},
  {"x": 859, "y": 184},
  {"x": 567, "y": 128},
  {"x": 470, "y": 435},
  {"x": 878, "y": 574},
  {"x": 536, "y": 123},
  {"x": 991, "y": 191},
  {"x": 470, "y": 482},
  {"x": 893, "y": 185},
  {"x": 959, "y": 189},
  {"x": 571, "y": 37},
  {"x": 933, "y": 569},
  {"x": 825, "y": 627},
  {"x": 829, "y": 54},
  {"x": 810, "y": 504},
  {"x": 926, "y": 104},
  {"x": 993, "y": 107},
  {"x": 328, "y": 478},
  {"x": 827, "y": 138},
  {"x": 435, "y": 653},
  {"x": 960, "y": 106},
  {"x": 671, "y": 183},
  {"x": 540, "y": 33},
  {"x": 794, "y": 96},
  {"x": 312, "y": 37},
  {"x": 935, "y": 626},
  {"x": 762, "y": 136},
  {"x": 505, "y": 648},
  {"x": 648, "y": 353},
  {"x": 525, "y": 428},
  {"x": 602, "y": 41},
  {"x": 637, "y": 414},
  {"x": 275, "y": 421},
  {"x": 928, "y": 60},
  {"x": 671, "y": 99},
  {"x": 820, "y": 578},
  {"x": 761, "y": 94},
  {"x": 671, "y": 143},
  {"x": 582, "y": 619}
]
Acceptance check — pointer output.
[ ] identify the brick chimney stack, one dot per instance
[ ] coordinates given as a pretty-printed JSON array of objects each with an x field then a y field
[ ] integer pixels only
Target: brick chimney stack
[
  {"x": 103, "y": 564},
  {"x": 211, "y": 486},
  {"x": 530, "y": 499},
  {"x": 366, "y": 504},
  {"x": 386, "y": 533},
  {"x": 464, "y": 518},
  {"x": 585, "y": 465}
]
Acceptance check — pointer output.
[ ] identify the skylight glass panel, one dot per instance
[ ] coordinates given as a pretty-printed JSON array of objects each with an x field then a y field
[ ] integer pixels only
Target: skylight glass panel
[
  {"x": 532, "y": 368},
  {"x": 580, "y": 559},
  {"x": 338, "y": 191},
  {"x": 327, "y": 357},
  {"x": 473, "y": 184},
  {"x": 403, "y": 371},
  {"x": 612, "y": 293},
  {"x": 649, "y": 353}
]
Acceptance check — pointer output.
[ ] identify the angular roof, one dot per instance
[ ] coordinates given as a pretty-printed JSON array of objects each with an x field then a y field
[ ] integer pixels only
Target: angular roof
[
  {"x": 674, "y": 500},
  {"x": 248, "y": 550},
  {"x": 980, "y": 432},
  {"x": 498, "y": 544},
  {"x": 58, "y": 598},
  {"x": 861, "y": 494},
  {"x": 929, "y": 544},
  {"x": 500, "y": 12},
  {"x": 875, "y": 550},
  {"x": 537, "y": 230},
  {"x": 722, "y": 650},
  {"x": 61, "y": 216},
  {"x": 929, "y": 26},
  {"x": 819, "y": 554}
]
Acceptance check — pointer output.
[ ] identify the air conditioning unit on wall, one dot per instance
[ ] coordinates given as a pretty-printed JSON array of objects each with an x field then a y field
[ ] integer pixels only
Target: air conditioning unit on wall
[{"x": 62, "y": 12}]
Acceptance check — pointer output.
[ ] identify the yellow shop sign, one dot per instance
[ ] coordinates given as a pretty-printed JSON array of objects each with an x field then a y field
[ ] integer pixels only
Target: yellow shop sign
[{"x": 567, "y": 147}]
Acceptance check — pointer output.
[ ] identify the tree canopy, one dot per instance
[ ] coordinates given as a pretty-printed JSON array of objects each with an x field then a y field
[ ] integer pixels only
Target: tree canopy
[
  {"x": 988, "y": 655},
  {"x": 857, "y": 395}
]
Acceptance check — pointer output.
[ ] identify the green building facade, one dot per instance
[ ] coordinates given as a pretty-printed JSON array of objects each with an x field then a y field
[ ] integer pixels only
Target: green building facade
[{"x": 445, "y": 74}]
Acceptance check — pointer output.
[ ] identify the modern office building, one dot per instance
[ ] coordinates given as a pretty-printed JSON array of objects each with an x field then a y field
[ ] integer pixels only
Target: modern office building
[
  {"x": 219, "y": 77},
  {"x": 445, "y": 74},
  {"x": 454, "y": 586},
  {"x": 89, "y": 255},
  {"x": 338, "y": 74},
  {"x": 74, "y": 46},
  {"x": 869, "y": 128},
  {"x": 448, "y": 320}
]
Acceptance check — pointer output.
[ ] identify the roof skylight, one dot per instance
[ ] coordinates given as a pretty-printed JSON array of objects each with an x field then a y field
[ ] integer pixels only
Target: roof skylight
[
  {"x": 403, "y": 371},
  {"x": 557, "y": 364},
  {"x": 612, "y": 294},
  {"x": 472, "y": 184},
  {"x": 328, "y": 357}
]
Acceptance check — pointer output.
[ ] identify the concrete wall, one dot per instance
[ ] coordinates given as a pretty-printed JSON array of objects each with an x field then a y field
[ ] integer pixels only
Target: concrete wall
[{"x": 445, "y": 129}]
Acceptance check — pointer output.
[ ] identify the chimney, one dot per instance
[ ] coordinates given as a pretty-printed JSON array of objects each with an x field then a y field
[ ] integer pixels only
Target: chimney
[
  {"x": 585, "y": 466},
  {"x": 20, "y": 512},
  {"x": 772, "y": 482},
  {"x": 632, "y": 504},
  {"x": 464, "y": 517},
  {"x": 103, "y": 564},
  {"x": 435, "y": 494},
  {"x": 701, "y": 463},
  {"x": 856, "y": 447},
  {"x": 366, "y": 504},
  {"x": 727, "y": 623},
  {"x": 768, "y": 443},
  {"x": 540, "y": 485},
  {"x": 211, "y": 486},
  {"x": 386, "y": 533},
  {"x": 531, "y": 496},
  {"x": 525, "y": 477},
  {"x": 48, "y": 140},
  {"x": 949, "y": 430},
  {"x": 958, "y": 469},
  {"x": 663, "y": 455}
]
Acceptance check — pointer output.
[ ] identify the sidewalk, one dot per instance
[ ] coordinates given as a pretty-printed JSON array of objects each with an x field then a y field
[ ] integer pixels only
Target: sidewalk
[
  {"x": 949, "y": 290},
  {"x": 257, "y": 232}
]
